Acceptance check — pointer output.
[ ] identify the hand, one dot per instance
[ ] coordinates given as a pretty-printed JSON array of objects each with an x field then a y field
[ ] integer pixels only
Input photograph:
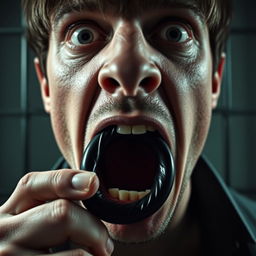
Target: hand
[{"x": 41, "y": 214}]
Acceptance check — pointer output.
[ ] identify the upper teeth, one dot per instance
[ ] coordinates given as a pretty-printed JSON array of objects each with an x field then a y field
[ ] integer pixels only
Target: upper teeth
[{"x": 134, "y": 129}]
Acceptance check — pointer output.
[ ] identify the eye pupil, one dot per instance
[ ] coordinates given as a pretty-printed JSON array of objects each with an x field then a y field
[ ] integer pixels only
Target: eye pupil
[
  {"x": 174, "y": 34},
  {"x": 85, "y": 36}
]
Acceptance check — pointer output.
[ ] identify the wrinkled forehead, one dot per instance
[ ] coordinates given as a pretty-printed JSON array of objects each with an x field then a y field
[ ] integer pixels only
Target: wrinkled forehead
[{"x": 123, "y": 7}]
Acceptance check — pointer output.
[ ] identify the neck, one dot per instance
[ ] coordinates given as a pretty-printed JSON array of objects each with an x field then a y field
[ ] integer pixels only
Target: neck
[{"x": 182, "y": 236}]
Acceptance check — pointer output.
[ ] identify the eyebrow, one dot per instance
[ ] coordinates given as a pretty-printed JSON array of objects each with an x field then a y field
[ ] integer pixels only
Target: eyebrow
[
  {"x": 69, "y": 8},
  {"x": 97, "y": 7}
]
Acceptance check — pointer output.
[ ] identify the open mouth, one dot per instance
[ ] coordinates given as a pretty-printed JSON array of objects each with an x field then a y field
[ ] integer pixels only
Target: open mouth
[{"x": 136, "y": 172}]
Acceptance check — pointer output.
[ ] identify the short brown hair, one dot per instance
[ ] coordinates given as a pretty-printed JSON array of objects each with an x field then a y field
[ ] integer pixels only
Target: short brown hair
[{"x": 217, "y": 14}]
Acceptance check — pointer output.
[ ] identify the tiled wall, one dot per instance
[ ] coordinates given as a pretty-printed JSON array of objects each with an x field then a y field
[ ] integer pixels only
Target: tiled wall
[
  {"x": 232, "y": 141},
  {"x": 26, "y": 138}
]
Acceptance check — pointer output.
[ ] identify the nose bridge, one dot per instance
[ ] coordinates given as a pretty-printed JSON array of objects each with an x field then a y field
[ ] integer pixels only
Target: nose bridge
[
  {"x": 129, "y": 66},
  {"x": 130, "y": 53},
  {"x": 130, "y": 41}
]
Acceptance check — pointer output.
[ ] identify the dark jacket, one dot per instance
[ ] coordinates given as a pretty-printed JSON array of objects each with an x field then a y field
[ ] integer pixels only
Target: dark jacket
[{"x": 227, "y": 219}]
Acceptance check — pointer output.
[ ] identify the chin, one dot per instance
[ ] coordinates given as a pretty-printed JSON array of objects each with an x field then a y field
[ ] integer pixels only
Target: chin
[{"x": 143, "y": 231}]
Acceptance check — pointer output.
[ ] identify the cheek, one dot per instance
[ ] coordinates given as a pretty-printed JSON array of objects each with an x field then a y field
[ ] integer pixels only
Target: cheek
[
  {"x": 58, "y": 93},
  {"x": 202, "y": 95},
  {"x": 72, "y": 90},
  {"x": 59, "y": 80},
  {"x": 200, "y": 111},
  {"x": 188, "y": 88},
  {"x": 203, "y": 113}
]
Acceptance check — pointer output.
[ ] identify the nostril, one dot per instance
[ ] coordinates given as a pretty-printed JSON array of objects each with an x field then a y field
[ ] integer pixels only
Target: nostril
[
  {"x": 110, "y": 84},
  {"x": 149, "y": 84},
  {"x": 145, "y": 82}
]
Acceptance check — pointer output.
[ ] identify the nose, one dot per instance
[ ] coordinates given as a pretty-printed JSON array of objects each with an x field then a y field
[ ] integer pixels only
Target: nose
[{"x": 129, "y": 67}]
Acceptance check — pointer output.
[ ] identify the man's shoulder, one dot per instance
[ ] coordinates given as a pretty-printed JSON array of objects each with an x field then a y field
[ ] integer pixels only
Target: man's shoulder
[
  {"x": 233, "y": 215},
  {"x": 247, "y": 209}
]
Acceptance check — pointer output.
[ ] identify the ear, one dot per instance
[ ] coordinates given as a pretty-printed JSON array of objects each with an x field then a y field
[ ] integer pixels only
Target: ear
[
  {"x": 45, "y": 92},
  {"x": 217, "y": 79}
]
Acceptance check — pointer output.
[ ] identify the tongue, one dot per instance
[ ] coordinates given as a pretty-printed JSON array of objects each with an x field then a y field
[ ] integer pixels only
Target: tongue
[{"x": 129, "y": 164}]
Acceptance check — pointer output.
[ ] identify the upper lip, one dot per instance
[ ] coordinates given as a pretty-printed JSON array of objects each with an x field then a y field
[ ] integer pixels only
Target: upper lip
[{"x": 137, "y": 120}]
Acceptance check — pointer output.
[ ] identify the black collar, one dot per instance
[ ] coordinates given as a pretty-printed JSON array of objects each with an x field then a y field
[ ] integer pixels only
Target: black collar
[{"x": 228, "y": 220}]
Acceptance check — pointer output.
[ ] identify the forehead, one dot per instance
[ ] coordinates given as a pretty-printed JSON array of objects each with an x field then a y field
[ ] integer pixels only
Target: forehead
[{"x": 121, "y": 7}]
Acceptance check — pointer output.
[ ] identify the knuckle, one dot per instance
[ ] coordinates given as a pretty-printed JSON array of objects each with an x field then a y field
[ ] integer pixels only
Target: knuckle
[
  {"x": 25, "y": 183},
  {"x": 61, "y": 212},
  {"x": 60, "y": 182}
]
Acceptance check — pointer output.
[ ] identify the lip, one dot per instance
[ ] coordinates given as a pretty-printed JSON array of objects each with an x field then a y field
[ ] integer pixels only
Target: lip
[{"x": 137, "y": 120}]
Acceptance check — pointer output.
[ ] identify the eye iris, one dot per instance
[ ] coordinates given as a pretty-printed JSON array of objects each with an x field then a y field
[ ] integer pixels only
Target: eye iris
[
  {"x": 85, "y": 36},
  {"x": 174, "y": 34}
]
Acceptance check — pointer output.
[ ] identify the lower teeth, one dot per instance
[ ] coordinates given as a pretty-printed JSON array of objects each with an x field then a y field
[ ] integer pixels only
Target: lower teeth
[{"x": 125, "y": 195}]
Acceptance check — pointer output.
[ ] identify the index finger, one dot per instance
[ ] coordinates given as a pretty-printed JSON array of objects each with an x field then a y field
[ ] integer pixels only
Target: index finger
[{"x": 36, "y": 188}]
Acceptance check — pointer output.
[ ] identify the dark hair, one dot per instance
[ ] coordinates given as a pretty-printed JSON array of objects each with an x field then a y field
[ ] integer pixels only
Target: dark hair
[{"x": 38, "y": 15}]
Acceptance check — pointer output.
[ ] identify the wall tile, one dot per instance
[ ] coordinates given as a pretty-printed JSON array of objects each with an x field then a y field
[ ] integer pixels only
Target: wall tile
[
  {"x": 215, "y": 147},
  {"x": 243, "y": 153},
  {"x": 43, "y": 152},
  {"x": 12, "y": 153},
  {"x": 243, "y": 71},
  {"x": 244, "y": 14},
  {"x": 12, "y": 8},
  {"x": 10, "y": 72}
]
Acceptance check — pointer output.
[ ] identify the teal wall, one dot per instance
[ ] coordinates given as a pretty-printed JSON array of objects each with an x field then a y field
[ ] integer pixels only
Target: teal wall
[{"x": 231, "y": 144}]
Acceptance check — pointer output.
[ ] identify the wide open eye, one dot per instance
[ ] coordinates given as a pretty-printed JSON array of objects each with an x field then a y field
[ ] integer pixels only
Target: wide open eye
[
  {"x": 175, "y": 33},
  {"x": 83, "y": 35}
]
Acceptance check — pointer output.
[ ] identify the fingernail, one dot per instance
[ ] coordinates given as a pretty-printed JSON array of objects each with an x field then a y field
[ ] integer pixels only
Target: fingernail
[
  {"x": 83, "y": 181},
  {"x": 110, "y": 246}
]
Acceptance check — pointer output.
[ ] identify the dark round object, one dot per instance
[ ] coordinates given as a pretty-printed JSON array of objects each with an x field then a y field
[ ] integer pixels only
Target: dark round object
[{"x": 126, "y": 213}]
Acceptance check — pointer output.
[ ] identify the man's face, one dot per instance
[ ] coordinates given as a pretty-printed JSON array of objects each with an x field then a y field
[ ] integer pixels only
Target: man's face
[{"x": 151, "y": 68}]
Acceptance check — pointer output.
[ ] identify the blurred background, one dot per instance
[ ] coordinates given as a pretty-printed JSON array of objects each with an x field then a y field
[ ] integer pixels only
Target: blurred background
[{"x": 26, "y": 139}]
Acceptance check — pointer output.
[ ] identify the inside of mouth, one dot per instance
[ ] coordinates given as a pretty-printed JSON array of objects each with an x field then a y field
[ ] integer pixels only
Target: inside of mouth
[{"x": 128, "y": 168}]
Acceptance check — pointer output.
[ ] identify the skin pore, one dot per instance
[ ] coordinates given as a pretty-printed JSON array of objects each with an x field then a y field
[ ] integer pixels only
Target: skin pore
[{"x": 129, "y": 70}]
